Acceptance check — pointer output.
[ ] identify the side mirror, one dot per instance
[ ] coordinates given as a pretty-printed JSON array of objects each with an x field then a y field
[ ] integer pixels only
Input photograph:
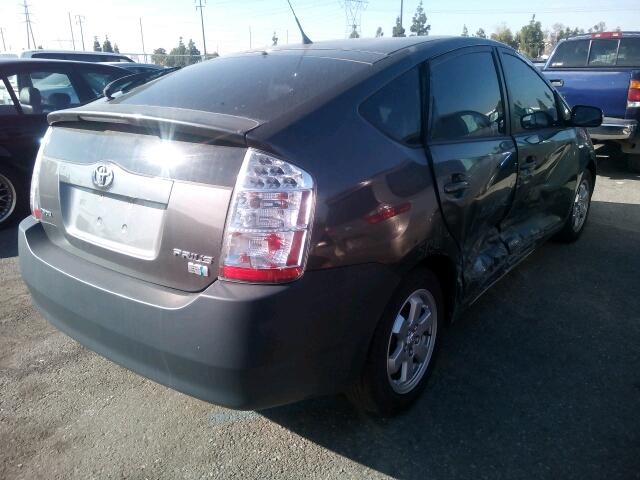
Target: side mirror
[
  {"x": 584, "y": 116},
  {"x": 536, "y": 120}
]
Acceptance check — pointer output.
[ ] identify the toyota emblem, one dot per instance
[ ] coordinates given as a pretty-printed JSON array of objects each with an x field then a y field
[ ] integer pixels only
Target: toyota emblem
[{"x": 102, "y": 176}]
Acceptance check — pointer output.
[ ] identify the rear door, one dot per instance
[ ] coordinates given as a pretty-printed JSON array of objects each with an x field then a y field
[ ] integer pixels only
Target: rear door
[
  {"x": 473, "y": 157},
  {"x": 548, "y": 159}
]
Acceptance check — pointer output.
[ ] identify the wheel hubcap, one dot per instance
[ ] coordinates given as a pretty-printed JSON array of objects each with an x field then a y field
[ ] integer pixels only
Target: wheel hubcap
[
  {"x": 581, "y": 206},
  {"x": 7, "y": 198},
  {"x": 412, "y": 341}
]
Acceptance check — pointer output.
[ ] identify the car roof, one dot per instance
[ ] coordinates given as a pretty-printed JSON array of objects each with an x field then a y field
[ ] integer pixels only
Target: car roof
[
  {"x": 10, "y": 63},
  {"x": 371, "y": 50},
  {"x": 74, "y": 52}
]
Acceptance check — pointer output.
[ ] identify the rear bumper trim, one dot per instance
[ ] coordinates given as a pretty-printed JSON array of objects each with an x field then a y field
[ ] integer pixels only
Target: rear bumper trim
[{"x": 615, "y": 129}]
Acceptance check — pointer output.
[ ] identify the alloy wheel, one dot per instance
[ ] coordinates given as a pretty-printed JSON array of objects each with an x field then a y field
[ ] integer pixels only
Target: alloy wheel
[
  {"x": 581, "y": 205},
  {"x": 7, "y": 198},
  {"x": 412, "y": 341}
]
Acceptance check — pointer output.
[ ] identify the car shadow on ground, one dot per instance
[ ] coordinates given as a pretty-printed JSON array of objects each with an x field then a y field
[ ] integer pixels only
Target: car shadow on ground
[
  {"x": 612, "y": 163},
  {"x": 9, "y": 242},
  {"x": 539, "y": 379}
]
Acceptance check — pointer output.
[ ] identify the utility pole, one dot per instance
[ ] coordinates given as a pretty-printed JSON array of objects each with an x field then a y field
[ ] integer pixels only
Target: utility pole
[
  {"x": 287, "y": 37},
  {"x": 79, "y": 19},
  {"x": 73, "y": 40},
  {"x": 401, "y": 10},
  {"x": 29, "y": 28},
  {"x": 4, "y": 46},
  {"x": 204, "y": 42},
  {"x": 144, "y": 52},
  {"x": 250, "y": 46}
]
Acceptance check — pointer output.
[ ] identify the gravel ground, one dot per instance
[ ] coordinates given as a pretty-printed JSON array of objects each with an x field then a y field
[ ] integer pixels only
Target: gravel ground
[{"x": 539, "y": 379}]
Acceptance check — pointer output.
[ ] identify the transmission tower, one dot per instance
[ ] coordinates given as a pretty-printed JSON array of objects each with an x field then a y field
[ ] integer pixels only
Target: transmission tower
[{"x": 353, "y": 14}]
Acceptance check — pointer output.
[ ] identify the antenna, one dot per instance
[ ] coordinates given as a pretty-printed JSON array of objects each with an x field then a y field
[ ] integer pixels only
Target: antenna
[{"x": 306, "y": 40}]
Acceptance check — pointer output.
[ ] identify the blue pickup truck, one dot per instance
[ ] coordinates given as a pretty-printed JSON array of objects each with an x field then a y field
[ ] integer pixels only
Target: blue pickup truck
[{"x": 603, "y": 70}]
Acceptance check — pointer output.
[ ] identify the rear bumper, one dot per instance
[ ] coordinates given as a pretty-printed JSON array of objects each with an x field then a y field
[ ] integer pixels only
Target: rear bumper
[
  {"x": 615, "y": 129},
  {"x": 236, "y": 345}
]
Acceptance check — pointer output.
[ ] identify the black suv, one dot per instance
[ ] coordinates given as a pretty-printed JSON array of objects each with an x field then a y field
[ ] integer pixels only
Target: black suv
[
  {"x": 29, "y": 90},
  {"x": 273, "y": 225}
]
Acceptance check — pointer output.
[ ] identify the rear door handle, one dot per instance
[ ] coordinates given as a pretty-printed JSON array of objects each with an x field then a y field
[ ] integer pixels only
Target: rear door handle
[
  {"x": 557, "y": 83},
  {"x": 458, "y": 184}
]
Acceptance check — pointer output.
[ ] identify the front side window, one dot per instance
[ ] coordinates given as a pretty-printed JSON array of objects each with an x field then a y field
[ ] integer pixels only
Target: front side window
[
  {"x": 396, "y": 108},
  {"x": 42, "y": 92},
  {"x": 465, "y": 98},
  {"x": 7, "y": 106},
  {"x": 528, "y": 94}
]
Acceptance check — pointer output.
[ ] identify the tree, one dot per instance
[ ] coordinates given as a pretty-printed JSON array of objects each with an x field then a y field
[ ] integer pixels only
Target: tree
[
  {"x": 480, "y": 33},
  {"x": 96, "y": 45},
  {"x": 598, "y": 28},
  {"x": 530, "y": 39},
  {"x": 354, "y": 32},
  {"x": 178, "y": 55},
  {"x": 159, "y": 56},
  {"x": 274, "y": 39},
  {"x": 193, "y": 52},
  {"x": 115, "y": 48},
  {"x": 503, "y": 34},
  {"x": 106, "y": 45},
  {"x": 419, "y": 26},
  {"x": 465, "y": 31},
  {"x": 398, "y": 30},
  {"x": 379, "y": 32}
]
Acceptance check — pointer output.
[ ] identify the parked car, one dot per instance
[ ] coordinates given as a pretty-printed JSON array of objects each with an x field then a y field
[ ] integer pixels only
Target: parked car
[
  {"x": 77, "y": 55},
  {"x": 269, "y": 226},
  {"x": 603, "y": 69},
  {"x": 29, "y": 90}
]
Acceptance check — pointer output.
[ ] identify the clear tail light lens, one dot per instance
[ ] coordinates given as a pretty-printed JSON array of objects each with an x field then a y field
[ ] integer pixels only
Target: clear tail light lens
[
  {"x": 34, "y": 193},
  {"x": 269, "y": 222}
]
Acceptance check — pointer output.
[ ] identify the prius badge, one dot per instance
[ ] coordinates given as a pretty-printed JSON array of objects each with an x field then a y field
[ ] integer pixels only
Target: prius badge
[
  {"x": 195, "y": 261},
  {"x": 102, "y": 176}
]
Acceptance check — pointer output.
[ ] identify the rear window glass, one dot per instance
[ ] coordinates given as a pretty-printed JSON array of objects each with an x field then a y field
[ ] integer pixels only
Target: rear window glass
[
  {"x": 603, "y": 52},
  {"x": 629, "y": 52},
  {"x": 261, "y": 87},
  {"x": 571, "y": 54}
]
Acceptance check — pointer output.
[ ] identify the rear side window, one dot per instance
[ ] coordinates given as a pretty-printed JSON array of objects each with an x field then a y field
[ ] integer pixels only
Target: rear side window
[
  {"x": 396, "y": 108},
  {"x": 466, "y": 105},
  {"x": 629, "y": 52},
  {"x": 528, "y": 92},
  {"x": 603, "y": 53},
  {"x": 7, "y": 107},
  {"x": 570, "y": 54},
  {"x": 257, "y": 86}
]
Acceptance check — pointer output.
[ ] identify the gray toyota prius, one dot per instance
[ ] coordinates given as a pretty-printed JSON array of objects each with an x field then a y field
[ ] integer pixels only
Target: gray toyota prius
[{"x": 274, "y": 225}]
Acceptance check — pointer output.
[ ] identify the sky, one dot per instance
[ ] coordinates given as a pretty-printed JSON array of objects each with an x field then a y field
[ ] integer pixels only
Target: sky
[{"x": 228, "y": 23}]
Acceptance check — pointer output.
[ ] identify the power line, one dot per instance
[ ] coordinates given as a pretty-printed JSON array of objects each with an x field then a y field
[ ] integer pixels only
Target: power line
[
  {"x": 353, "y": 12},
  {"x": 201, "y": 7}
]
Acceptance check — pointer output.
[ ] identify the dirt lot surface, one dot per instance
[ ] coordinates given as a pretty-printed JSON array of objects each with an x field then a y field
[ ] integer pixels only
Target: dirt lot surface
[{"x": 539, "y": 379}]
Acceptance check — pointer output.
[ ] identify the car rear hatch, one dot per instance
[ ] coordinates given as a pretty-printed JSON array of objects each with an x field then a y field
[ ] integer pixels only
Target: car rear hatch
[{"x": 142, "y": 190}]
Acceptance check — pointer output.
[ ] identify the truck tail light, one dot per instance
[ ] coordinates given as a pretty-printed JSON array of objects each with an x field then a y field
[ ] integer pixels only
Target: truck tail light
[
  {"x": 607, "y": 35},
  {"x": 633, "y": 99},
  {"x": 269, "y": 221},
  {"x": 34, "y": 193}
]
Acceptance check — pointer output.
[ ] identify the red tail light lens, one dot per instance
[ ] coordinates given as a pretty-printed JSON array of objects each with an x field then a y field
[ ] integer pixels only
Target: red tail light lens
[
  {"x": 633, "y": 99},
  {"x": 34, "y": 193},
  {"x": 268, "y": 223}
]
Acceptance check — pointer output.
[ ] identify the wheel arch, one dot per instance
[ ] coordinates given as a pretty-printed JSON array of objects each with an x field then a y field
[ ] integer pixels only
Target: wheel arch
[{"x": 444, "y": 268}]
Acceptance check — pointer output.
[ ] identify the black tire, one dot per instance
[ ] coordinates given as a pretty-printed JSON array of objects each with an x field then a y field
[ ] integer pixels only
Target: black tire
[
  {"x": 373, "y": 392},
  {"x": 14, "y": 197},
  {"x": 570, "y": 231},
  {"x": 633, "y": 163}
]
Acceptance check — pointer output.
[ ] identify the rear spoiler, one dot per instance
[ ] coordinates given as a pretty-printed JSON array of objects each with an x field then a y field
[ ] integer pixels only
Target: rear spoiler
[{"x": 164, "y": 121}]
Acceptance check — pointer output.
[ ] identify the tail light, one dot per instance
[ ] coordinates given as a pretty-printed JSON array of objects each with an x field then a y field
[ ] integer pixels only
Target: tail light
[
  {"x": 34, "y": 193},
  {"x": 633, "y": 99},
  {"x": 269, "y": 221}
]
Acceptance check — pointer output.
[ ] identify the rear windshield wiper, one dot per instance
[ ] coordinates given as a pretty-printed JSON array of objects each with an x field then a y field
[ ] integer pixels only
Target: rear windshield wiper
[{"x": 124, "y": 84}]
